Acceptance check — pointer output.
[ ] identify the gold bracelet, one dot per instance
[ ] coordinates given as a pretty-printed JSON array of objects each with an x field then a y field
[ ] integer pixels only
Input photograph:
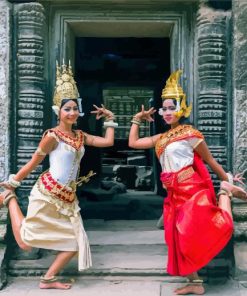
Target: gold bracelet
[
  {"x": 224, "y": 192},
  {"x": 136, "y": 122}
]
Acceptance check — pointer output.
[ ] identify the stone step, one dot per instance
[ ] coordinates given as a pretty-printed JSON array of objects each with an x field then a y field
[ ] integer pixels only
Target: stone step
[
  {"x": 117, "y": 260},
  {"x": 120, "y": 225},
  {"x": 119, "y": 249},
  {"x": 126, "y": 238}
]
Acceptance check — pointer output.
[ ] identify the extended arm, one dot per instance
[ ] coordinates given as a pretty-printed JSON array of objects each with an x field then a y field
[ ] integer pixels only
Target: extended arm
[
  {"x": 46, "y": 145},
  {"x": 134, "y": 140},
  {"x": 96, "y": 141},
  {"x": 141, "y": 143}
]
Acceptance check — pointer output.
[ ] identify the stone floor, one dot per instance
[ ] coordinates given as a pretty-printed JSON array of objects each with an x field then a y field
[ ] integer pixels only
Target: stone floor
[{"x": 21, "y": 286}]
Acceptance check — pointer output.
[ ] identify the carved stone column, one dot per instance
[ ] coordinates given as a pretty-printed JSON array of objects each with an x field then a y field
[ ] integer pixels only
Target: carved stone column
[
  {"x": 29, "y": 96},
  {"x": 240, "y": 129},
  {"x": 213, "y": 101}
]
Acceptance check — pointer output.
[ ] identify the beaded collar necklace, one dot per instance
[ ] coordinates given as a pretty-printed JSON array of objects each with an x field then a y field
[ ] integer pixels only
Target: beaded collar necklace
[{"x": 76, "y": 142}]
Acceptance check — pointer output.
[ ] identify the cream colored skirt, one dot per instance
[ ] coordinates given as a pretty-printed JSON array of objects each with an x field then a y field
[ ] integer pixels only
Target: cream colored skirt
[{"x": 52, "y": 224}]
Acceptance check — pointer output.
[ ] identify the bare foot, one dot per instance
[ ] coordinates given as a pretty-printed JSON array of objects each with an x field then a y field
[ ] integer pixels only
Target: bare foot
[
  {"x": 55, "y": 285},
  {"x": 235, "y": 190},
  {"x": 190, "y": 289}
]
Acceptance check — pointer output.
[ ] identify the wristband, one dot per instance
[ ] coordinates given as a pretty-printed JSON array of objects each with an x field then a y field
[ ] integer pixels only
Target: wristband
[
  {"x": 110, "y": 124},
  {"x": 12, "y": 182}
]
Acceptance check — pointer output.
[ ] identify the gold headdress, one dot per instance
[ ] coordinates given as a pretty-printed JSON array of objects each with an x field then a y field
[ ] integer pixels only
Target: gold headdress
[
  {"x": 65, "y": 87},
  {"x": 173, "y": 90}
]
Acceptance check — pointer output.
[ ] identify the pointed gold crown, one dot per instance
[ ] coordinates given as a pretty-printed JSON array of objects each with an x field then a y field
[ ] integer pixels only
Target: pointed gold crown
[
  {"x": 173, "y": 90},
  {"x": 65, "y": 85}
]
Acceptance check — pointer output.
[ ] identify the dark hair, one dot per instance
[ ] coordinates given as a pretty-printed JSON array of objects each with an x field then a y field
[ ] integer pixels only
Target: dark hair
[
  {"x": 64, "y": 101},
  {"x": 184, "y": 120},
  {"x": 174, "y": 102}
]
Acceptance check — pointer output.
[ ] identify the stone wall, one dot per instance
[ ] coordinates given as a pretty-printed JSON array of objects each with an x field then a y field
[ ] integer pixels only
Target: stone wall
[
  {"x": 4, "y": 87},
  {"x": 240, "y": 128},
  {"x": 5, "y": 97}
]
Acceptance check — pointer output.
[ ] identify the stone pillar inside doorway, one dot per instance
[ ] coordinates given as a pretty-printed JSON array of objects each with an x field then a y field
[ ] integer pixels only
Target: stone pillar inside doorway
[{"x": 240, "y": 130}]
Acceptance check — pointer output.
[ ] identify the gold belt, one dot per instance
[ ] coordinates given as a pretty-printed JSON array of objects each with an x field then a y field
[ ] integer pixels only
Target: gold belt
[
  {"x": 47, "y": 185},
  {"x": 185, "y": 174}
]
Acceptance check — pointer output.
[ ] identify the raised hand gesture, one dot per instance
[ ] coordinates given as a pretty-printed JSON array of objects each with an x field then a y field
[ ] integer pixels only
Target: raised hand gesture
[
  {"x": 102, "y": 112},
  {"x": 145, "y": 114},
  {"x": 239, "y": 178}
]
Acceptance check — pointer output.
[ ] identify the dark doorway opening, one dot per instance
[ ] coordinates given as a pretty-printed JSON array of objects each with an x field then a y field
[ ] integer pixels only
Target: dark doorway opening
[{"x": 139, "y": 65}]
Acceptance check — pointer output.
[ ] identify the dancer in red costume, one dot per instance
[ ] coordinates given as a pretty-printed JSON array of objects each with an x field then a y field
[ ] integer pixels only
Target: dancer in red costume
[{"x": 190, "y": 208}]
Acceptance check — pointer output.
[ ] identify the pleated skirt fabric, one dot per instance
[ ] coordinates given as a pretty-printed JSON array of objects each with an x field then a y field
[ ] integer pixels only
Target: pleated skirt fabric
[{"x": 52, "y": 224}]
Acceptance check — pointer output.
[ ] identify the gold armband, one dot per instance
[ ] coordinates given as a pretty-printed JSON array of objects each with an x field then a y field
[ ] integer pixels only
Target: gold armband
[{"x": 40, "y": 152}]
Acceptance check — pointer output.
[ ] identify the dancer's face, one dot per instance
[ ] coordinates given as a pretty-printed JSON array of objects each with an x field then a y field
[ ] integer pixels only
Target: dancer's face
[
  {"x": 169, "y": 110},
  {"x": 69, "y": 113}
]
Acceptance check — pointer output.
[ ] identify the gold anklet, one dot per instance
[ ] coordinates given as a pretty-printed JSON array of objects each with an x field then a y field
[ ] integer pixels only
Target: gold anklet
[
  {"x": 224, "y": 192},
  {"x": 195, "y": 282},
  {"x": 45, "y": 280},
  {"x": 8, "y": 198}
]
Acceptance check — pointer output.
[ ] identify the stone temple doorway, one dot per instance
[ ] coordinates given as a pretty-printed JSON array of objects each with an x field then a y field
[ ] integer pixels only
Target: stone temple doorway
[{"x": 122, "y": 73}]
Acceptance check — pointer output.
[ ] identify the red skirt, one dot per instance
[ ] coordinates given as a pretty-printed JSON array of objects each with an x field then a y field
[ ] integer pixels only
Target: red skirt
[{"x": 196, "y": 230}]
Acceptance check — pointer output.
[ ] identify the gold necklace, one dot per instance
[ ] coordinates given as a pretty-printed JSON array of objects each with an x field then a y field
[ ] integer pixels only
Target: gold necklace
[{"x": 67, "y": 132}]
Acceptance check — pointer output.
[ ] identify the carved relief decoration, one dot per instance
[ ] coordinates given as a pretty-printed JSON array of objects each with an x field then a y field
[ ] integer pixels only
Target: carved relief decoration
[
  {"x": 30, "y": 86},
  {"x": 212, "y": 67}
]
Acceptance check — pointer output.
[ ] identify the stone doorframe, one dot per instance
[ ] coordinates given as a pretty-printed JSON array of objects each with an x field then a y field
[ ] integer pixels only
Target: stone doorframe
[{"x": 80, "y": 21}]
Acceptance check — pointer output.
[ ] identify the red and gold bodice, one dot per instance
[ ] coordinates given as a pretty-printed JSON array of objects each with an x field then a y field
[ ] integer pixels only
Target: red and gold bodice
[{"x": 174, "y": 148}]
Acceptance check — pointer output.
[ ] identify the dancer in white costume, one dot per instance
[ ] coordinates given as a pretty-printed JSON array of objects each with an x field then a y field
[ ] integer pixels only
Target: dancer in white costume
[{"x": 53, "y": 218}]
